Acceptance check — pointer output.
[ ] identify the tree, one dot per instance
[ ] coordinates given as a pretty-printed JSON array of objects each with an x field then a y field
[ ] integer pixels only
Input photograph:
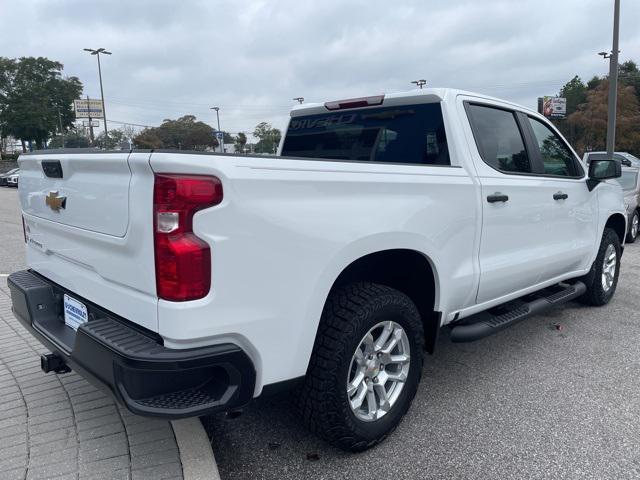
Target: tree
[
  {"x": 240, "y": 141},
  {"x": 268, "y": 138},
  {"x": 594, "y": 82},
  {"x": 35, "y": 98},
  {"x": 185, "y": 133},
  {"x": 575, "y": 91},
  {"x": 112, "y": 141},
  {"x": 629, "y": 74},
  {"x": 149, "y": 139},
  {"x": 71, "y": 140},
  {"x": 590, "y": 120}
]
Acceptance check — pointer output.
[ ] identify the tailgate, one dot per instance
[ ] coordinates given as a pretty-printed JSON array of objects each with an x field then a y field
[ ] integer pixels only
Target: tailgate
[
  {"x": 94, "y": 188},
  {"x": 90, "y": 229}
]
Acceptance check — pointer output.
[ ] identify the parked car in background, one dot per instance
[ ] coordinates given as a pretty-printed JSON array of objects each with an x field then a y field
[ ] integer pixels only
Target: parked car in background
[
  {"x": 625, "y": 158},
  {"x": 630, "y": 182},
  {"x": 4, "y": 178},
  {"x": 12, "y": 180}
]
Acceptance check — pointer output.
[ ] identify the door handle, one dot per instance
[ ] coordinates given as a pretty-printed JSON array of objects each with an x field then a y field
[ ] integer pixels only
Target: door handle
[
  {"x": 497, "y": 197},
  {"x": 560, "y": 196}
]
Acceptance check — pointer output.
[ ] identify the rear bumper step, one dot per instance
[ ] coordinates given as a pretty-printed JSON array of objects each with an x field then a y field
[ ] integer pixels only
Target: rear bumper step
[
  {"x": 128, "y": 362},
  {"x": 484, "y": 324}
]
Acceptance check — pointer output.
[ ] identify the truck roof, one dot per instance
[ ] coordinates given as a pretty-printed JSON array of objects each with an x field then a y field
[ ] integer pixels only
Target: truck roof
[{"x": 425, "y": 95}]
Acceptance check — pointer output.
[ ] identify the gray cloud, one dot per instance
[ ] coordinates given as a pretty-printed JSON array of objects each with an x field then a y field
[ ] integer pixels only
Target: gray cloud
[{"x": 171, "y": 58}]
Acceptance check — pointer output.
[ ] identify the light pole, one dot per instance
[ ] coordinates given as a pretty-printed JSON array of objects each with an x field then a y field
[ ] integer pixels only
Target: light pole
[
  {"x": 104, "y": 113},
  {"x": 299, "y": 99},
  {"x": 420, "y": 83},
  {"x": 217, "y": 109},
  {"x": 613, "y": 81},
  {"x": 60, "y": 123}
]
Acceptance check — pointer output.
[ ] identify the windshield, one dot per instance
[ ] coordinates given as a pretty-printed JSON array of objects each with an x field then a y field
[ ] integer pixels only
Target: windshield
[
  {"x": 628, "y": 180},
  {"x": 404, "y": 134}
]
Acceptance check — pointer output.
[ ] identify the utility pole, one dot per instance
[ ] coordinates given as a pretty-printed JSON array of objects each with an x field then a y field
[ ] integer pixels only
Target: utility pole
[
  {"x": 97, "y": 53},
  {"x": 60, "y": 121},
  {"x": 420, "y": 83},
  {"x": 90, "y": 124},
  {"x": 220, "y": 143},
  {"x": 613, "y": 81}
]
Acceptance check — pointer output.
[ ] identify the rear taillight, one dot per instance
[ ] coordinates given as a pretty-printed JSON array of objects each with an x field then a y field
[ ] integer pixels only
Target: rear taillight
[
  {"x": 355, "y": 103},
  {"x": 183, "y": 261}
]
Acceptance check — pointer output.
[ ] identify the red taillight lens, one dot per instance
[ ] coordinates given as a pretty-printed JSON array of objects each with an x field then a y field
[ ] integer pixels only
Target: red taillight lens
[{"x": 183, "y": 261}]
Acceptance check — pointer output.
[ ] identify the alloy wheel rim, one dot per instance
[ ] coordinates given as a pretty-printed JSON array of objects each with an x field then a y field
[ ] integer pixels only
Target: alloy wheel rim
[
  {"x": 378, "y": 371},
  {"x": 609, "y": 266},
  {"x": 634, "y": 226}
]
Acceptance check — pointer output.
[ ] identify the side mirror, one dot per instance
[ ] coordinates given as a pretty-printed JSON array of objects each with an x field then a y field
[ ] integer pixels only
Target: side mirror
[
  {"x": 600, "y": 170},
  {"x": 604, "y": 169}
]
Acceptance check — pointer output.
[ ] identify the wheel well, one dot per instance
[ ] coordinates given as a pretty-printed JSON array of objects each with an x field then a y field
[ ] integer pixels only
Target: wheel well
[
  {"x": 405, "y": 270},
  {"x": 617, "y": 223}
]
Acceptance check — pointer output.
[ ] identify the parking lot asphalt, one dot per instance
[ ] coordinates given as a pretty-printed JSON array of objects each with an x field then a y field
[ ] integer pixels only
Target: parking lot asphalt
[{"x": 554, "y": 397}]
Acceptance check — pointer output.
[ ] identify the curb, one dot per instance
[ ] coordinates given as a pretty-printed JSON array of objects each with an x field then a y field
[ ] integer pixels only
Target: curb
[{"x": 198, "y": 462}]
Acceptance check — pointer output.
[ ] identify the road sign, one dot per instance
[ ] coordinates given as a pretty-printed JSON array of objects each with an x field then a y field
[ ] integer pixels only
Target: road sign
[
  {"x": 220, "y": 135},
  {"x": 85, "y": 123},
  {"x": 88, "y": 108}
]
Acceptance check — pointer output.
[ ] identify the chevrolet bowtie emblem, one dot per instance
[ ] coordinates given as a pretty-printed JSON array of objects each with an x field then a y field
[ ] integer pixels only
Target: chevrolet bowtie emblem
[{"x": 55, "y": 202}]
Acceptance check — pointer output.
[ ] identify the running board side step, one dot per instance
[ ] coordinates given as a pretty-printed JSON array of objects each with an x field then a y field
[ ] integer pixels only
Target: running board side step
[{"x": 484, "y": 324}]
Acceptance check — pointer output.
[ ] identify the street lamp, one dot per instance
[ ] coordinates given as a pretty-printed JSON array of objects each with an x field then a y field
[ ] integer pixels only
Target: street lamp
[
  {"x": 613, "y": 81},
  {"x": 420, "y": 83},
  {"x": 299, "y": 99},
  {"x": 97, "y": 54},
  {"x": 217, "y": 109}
]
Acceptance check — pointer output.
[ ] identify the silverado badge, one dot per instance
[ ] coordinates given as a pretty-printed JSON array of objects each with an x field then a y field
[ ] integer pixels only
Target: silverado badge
[{"x": 55, "y": 202}]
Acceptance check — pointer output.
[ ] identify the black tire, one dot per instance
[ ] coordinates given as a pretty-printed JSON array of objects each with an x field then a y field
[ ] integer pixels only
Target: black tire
[
  {"x": 596, "y": 295},
  {"x": 350, "y": 312},
  {"x": 631, "y": 238}
]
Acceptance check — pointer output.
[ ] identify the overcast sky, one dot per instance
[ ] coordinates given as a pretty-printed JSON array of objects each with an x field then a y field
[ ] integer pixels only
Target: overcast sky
[{"x": 251, "y": 57}]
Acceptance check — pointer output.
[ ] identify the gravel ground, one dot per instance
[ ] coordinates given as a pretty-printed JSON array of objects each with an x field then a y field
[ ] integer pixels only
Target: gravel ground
[{"x": 556, "y": 396}]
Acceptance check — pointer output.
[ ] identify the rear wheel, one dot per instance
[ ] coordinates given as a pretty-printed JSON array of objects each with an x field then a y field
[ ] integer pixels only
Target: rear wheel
[
  {"x": 602, "y": 280},
  {"x": 365, "y": 366},
  {"x": 633, "y": 227}
]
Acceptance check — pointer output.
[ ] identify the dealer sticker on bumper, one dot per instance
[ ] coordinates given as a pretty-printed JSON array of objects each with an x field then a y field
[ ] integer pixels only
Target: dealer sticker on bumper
[{"x": 75, "y": 312}]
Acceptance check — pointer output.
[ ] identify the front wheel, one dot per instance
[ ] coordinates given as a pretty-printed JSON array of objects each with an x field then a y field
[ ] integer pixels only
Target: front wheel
[
  {"x": 602, "y": 280},
  {"x": 365, "y": 366},
  {"x": 634, "y": 225}
]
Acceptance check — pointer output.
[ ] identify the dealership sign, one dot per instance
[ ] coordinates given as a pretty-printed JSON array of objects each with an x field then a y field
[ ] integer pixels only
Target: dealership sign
[
  {"x": 552, "y": 107},
  {"x": 88, "y": 108}
]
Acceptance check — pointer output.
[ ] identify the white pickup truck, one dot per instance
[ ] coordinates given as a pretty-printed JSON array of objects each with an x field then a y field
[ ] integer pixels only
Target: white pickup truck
[{"x": 188, "y": 283}]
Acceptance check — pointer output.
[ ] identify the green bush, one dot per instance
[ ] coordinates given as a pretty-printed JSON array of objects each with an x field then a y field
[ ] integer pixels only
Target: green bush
[{"x": 9, "y": 156}]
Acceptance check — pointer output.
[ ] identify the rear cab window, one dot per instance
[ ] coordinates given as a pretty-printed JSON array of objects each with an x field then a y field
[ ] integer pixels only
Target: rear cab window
[{"x": 407, "y": 134}]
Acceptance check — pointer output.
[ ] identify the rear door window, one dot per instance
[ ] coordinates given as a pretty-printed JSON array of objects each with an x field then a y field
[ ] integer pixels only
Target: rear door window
[
  {"x": 411, "y": 134},
  {"x": 499, "y": 139}
]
